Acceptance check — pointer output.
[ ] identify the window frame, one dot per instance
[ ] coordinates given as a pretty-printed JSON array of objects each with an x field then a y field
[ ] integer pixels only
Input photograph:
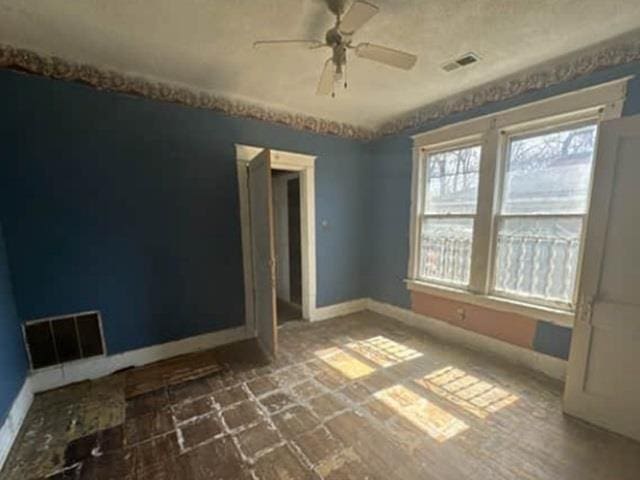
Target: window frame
[
  {"x": 492, "y": 133},
  {"x": 469, "y": 142},
  {"x": 505, "y": 137}
]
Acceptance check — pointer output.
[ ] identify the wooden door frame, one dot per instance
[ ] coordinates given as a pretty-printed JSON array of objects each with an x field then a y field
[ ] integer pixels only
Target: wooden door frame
[{"x": 304, "y": 165}]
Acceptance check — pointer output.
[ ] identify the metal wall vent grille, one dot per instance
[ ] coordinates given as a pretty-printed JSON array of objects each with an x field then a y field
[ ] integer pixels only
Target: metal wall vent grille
[{"x": 57, "y": 340}]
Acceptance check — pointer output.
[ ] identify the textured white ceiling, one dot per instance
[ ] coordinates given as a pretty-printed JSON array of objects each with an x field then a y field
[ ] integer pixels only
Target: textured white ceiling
[{"x": 207, "y": 44}]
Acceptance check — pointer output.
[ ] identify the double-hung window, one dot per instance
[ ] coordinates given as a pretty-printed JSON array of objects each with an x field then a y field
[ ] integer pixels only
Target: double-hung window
[
  {"x": 501, "y": 203},
  {"x": 542, "y": 211},
  {"x": 449, "y": 209}
]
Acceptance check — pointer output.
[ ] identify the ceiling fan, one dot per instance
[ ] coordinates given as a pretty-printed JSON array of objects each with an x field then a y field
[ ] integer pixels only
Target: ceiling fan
[{"x": 339, "y": 39}]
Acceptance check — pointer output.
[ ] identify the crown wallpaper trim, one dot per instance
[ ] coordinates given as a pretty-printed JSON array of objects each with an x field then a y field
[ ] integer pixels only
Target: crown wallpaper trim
[{"x": 547, "y": 75}]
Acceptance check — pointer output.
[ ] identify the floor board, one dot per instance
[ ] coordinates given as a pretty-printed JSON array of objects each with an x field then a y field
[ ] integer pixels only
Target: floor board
[{"x": 358, "y": 397}]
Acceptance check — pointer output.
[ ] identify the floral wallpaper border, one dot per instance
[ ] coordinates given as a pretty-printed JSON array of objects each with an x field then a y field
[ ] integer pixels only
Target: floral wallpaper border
[
  {"x": 55, "y": 67},
  {"x": 568, "y": 69},
  {"x": 565, "y": 69}
]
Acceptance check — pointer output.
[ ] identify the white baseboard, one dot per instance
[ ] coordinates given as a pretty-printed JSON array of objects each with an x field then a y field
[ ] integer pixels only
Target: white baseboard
[
  {"x": 550, "y": 366},
  {"x": 11, "y": 427},
  {"x": 339, "y": 309},
  {"x": 91, "y": 368}
]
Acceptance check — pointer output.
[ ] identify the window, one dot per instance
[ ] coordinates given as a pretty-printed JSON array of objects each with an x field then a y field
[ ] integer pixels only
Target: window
[
  {"x": 545, "y": 197},
  {"x": 500, "y": 203},
  {"x": 450, "y": 201}
]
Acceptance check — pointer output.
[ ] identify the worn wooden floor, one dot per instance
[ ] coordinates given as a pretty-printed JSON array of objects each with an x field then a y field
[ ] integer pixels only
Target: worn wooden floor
[
  {"x": 287, "y": 312},
  {"x": 352, "y": 398}
]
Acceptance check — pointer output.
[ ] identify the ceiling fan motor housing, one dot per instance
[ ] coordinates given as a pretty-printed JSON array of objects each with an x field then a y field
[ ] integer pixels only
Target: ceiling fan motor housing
[
  {"x": 338, "y": 42},
  {"x": 334, "y": 37}
]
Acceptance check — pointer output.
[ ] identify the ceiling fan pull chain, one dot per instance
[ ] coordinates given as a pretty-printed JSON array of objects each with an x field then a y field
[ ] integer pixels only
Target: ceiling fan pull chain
[{"x": 345, "y": 75}]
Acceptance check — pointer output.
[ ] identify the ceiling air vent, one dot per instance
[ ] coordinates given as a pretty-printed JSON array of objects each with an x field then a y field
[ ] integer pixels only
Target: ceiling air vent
[
  {"x": 463, "y": 61},
  {"x": 52, "y": 341}
]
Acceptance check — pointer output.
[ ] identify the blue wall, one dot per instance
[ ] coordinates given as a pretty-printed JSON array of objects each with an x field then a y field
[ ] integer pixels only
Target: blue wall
[
  {"x": 130, "y": 206},
  {"x": 13, "y": 363},
  {"x": 390, "y": 199},
  {"x": 552, "y": 339},
  {"x": 389, "y": 215}
]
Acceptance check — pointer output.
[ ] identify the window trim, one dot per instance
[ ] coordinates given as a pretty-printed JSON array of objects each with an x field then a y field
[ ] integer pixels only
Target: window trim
[{"x": 597, "y": 103}]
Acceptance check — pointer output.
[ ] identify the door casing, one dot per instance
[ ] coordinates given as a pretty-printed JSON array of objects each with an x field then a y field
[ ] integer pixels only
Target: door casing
[{"x": 305, "y": 166}]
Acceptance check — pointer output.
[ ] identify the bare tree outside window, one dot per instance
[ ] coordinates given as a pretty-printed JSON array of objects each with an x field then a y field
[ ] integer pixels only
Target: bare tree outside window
[{"x": 452, "y": 181}]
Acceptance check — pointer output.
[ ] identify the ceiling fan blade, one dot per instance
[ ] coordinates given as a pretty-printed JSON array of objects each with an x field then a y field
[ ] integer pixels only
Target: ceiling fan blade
[
  {"x": 308, "y": 44},
  {"x": 388, "y": 56},
  {"x": 325, "y": 85},
  {"x": 359, "y": 14}
]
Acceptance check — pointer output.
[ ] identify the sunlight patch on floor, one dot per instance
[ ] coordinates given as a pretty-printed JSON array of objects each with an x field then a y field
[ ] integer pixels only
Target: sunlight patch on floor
[
  {"x": 466, "y": 391},
  {"x": 346, "y": 364},
  {"x": 383, "y": 351},
  {"x": 422, "y": 413}
]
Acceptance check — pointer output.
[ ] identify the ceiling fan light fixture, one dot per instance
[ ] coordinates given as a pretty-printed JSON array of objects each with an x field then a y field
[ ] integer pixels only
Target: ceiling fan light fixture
[{"x": 339, "y": 39}]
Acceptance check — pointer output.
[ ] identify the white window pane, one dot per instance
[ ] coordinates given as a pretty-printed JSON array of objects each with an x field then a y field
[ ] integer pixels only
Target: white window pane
[
  {"x": 445, "y": 249},
  {"x": 452, "y": 181},
  {"x": 549, "y": 173},
  {"x": 538, "y": 257}
]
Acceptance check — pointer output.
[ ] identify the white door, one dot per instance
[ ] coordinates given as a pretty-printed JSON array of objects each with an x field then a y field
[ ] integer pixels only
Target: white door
[
  {"x": 603, "y": 377},
  {"x": 263, "y": 255}
]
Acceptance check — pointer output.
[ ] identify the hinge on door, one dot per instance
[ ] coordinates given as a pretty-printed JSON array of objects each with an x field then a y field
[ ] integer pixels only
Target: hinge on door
[{"x": 585, "y": 309}]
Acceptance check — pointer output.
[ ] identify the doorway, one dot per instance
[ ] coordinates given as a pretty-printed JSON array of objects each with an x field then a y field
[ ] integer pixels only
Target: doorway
[
  {"x": 285, "y": 190},
  {"x": 262, "y": 170}
]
